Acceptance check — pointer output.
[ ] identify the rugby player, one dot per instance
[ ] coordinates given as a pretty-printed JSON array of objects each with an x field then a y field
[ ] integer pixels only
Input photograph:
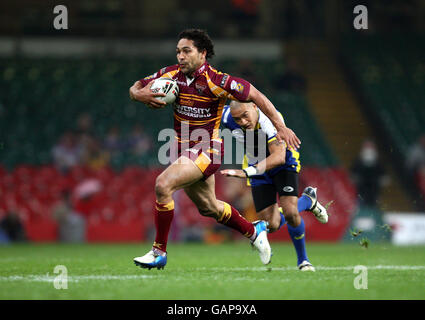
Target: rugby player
[
  {"x": 276, "y": 173},
  {"x": 203, "y": 92}
]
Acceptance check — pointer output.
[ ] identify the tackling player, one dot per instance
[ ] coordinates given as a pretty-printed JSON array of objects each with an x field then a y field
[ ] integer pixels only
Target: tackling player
[
  {"x": 275, "y": 174},
  {"x": 203, "y": 92}
]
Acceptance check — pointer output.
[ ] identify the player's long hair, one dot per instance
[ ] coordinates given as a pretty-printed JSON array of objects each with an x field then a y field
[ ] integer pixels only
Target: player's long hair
[{"x": 201, "y": 40}]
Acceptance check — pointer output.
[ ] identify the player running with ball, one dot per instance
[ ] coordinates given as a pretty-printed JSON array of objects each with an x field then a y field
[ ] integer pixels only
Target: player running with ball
[
  {"x": 276, "y": 173},
  {"x": 203, "y": 92}
]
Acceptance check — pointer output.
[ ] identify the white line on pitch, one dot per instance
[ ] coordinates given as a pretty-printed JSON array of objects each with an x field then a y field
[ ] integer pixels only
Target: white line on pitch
[
  {"x": 47, "y": 278},
  {"x": 324, "y": 268}
]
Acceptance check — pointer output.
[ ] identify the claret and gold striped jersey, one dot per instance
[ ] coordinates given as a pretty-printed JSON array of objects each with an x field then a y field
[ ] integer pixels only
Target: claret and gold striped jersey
[{"x": 201, "y": 99}]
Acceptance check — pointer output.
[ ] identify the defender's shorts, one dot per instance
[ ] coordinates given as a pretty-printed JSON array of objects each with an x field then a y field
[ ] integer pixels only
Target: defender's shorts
[
  {"x": 207, "y": 156},
  {"x": 285, "y": 183}
]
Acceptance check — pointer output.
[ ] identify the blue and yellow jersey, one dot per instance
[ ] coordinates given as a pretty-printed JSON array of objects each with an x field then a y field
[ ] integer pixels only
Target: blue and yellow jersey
[{"x": 264, "y": 132}]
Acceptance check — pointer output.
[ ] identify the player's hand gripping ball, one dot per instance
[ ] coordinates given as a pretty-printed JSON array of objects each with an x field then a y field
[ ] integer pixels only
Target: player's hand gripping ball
[{"x": 167, "y": 86}]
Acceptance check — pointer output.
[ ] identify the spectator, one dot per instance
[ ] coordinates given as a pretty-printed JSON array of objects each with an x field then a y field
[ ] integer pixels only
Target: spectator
[
  {"x": 94, "y": 157},
  {"x": 13, "y": 228},
  {"x": 368, "y": 174},
  {"x": 113, "y": 142},
  {"x": 139, "y": 142},
  {"x": 84, "y": 132},
  {"x": 416, "y": 156},
  {"x": 72, "y": 225},
  {"x": 67, "y": 153}
]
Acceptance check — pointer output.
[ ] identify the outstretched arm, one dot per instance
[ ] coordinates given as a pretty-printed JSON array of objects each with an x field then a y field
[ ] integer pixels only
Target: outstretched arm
[
  {"x": 276, "y": 158},
  {"x": 265, "y": 105}
]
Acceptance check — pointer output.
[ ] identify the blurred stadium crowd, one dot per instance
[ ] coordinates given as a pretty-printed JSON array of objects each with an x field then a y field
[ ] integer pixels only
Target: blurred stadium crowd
[
  {"x": 82, "y": 148},
  {"x": 78, "y": 159}
]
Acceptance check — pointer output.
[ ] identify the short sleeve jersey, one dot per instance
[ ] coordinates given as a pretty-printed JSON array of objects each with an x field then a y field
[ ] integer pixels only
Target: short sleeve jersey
[
  {"x": 264, "y": 133},
  {"x": 201, "y": 99}
]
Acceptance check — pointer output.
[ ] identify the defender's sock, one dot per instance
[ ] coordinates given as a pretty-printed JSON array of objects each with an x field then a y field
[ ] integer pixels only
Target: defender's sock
[
  {"x": 232, "y": 218},
  {"x": 282, "y": 218},
  {"x": 304, "y": 203},
  {"x": 298, "y": 238},
  {"x": 163, "y": 216}
]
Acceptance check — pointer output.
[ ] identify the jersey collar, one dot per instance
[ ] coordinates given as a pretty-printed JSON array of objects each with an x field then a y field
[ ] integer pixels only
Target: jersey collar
[{"x": 201, "y": 69}]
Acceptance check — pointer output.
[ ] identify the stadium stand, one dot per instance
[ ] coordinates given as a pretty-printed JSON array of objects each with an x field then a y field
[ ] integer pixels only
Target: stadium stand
[
  {"x": 399, "y": 69},
  {"x": 58, "y": 91},
  {"x": 391, "y": 76}
]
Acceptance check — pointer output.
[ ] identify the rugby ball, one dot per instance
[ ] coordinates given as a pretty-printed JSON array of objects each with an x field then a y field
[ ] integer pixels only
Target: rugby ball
[{"x": 167, "y": 86}]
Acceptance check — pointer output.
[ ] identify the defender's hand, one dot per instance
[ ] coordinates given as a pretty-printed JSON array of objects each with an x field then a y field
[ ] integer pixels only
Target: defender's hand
[
  {"x": 233, "y": 173},
  {"x": 146, "y": 96}
]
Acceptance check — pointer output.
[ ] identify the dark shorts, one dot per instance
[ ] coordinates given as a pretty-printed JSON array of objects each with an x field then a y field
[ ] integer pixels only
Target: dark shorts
[
  {"x": 285, "y": 183},
  {"x": 207, "y": 157}
]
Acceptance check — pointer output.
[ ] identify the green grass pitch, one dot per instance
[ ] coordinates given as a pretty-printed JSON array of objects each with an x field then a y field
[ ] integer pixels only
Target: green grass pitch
[{"x": 209, "y": 272}]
